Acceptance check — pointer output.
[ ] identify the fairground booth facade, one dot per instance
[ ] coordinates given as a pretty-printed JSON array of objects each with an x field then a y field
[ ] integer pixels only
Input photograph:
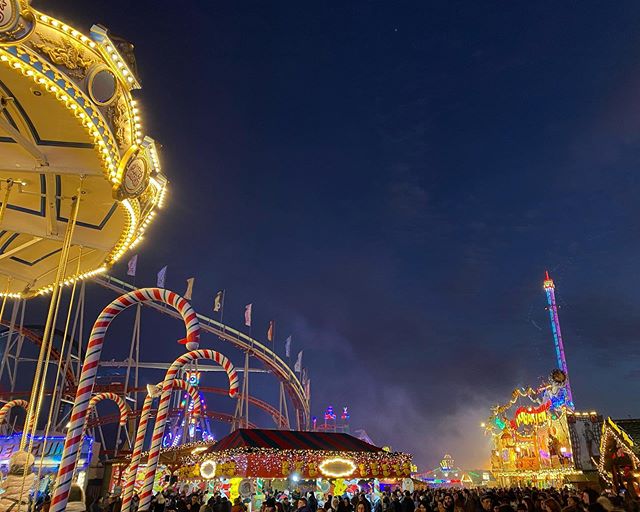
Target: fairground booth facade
[
  {"x": 619, "y": 464},
  {"x": 252, "y": 462}
]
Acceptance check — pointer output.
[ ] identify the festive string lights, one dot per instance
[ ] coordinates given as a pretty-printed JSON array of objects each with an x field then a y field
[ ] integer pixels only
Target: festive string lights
[
  {"x": 208, "y": 469},
  {"x": 337, "y": 467}
]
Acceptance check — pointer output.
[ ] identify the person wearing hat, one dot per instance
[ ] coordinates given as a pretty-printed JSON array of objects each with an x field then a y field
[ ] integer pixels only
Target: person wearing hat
[{"x": 19, "y": 482}]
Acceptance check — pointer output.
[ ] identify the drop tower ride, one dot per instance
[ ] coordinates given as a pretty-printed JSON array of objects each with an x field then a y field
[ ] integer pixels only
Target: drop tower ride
[{"x": 549, "y": 288}]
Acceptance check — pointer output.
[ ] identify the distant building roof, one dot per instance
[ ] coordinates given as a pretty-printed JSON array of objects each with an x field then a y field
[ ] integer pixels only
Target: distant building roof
[{"x": 292, "y": 440}]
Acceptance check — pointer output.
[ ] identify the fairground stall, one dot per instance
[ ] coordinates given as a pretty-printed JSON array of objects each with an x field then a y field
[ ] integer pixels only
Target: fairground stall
[
  {"x": 531, "y": 437},
  {"x": 619, "y": 463},
  {"x": 447, "y": 475},
  {"x": 252, "y": 463}
]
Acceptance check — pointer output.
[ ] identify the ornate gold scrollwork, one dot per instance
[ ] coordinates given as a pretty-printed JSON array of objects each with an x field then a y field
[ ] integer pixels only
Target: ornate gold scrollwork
[{"x": 65, "y": 54}]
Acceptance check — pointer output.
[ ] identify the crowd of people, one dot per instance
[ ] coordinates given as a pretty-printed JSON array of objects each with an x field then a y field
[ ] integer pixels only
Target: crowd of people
[{"x": 430, "y": 500}]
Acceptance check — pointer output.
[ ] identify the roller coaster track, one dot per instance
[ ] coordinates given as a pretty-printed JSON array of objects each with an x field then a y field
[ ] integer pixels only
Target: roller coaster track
[
  {"x": 36, "y": 338},
  {"x": 270, "y": 359},
  {"x": 280, "y": 421},
  {"x": 115, "y": 417}
]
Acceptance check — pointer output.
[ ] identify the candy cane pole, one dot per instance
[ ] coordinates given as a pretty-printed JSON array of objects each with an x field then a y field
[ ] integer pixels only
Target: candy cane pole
[
  {"x": 88, "y": 376},
  {"x": 122, "y": 406},
  {"x": 4, "y": 410},
  {"x": 141, "y": 433},
  {"x": 163, "y": 412}
]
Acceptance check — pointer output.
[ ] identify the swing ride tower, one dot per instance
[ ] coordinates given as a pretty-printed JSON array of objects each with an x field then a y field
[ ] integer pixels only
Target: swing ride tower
[{"x": 561, "y": 360}]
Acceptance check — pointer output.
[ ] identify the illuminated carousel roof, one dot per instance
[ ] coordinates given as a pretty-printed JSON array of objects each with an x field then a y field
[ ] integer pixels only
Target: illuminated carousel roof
[{"x": 69, "y": 128}]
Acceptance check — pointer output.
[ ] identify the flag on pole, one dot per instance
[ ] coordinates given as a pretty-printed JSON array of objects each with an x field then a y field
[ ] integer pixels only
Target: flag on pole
[
  {"x": 131, "y": 266},
  {"x": 189, "y": 291},
  {"x": 298, "y": 366},
  {"x": 247, "y": 315},
  {"x": 287, "y": 347},
  {"x": 270, "y": 330},
  {"x": 162, "y": 276},
  {"x": 217, "y": 301},
  {"x": 307, "y": 388}
]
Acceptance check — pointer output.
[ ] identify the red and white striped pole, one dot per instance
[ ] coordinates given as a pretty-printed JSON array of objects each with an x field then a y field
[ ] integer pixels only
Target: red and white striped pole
[
  {"x": 122, "y": 406},
  {"x": 141, "y": 433},
  {"x": 90, "y": 368},
  {"x": 4, "y": 410},
  {"x": 146, "y": 492}
]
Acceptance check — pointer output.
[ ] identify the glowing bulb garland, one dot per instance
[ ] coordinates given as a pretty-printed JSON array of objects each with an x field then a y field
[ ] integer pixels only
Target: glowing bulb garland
[
  {"x": 337, "y": 467},
  {"x": 208, "y": 469}
]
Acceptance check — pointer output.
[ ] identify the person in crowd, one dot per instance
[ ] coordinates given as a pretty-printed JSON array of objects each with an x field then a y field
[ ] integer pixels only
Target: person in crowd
[
  {"x": 487, "y": 503},
  {"x": 238, "y": 506},
  {"x": 407, "y": 503},
  {"x": 327, "y": 506}
]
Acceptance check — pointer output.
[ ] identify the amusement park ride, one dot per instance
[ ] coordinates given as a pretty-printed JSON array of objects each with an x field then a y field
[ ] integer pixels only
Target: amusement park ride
[
  {"x": 79, "y": 185},
  {"x": 538, "y": 437}
]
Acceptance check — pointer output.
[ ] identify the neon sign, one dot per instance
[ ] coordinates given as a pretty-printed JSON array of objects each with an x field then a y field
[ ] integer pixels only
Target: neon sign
[
  {"x": 531, "y": 415},
  {"x": 50, "y": 450}
]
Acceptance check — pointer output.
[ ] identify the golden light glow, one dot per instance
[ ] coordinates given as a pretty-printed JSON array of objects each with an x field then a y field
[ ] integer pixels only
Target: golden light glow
[
  {"x": 337, "y": 467},
  {"x": 98, "y": 48},
  {"x": 208, "y": 469}
]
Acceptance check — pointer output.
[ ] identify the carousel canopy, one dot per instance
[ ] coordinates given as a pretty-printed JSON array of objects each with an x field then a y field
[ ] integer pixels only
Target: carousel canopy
[
  {"x": 292, "y": 440},
  {"x": 70, "y": 133}
]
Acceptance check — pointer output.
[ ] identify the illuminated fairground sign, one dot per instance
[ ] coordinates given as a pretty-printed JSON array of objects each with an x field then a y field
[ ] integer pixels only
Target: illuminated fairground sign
[
  {"x": 531, "y": 415},
  {"x": 48, "y": 449},
  {"x": 193, "y": 378}
]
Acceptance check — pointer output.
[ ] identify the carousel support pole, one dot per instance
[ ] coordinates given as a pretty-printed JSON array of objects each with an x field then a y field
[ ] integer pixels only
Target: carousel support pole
[
  {"x": 5, "y": 199},
  {"x": 37, "y": 392},
  {"x": 58, "y": 386},
  {"x": 69, "y": 359},
  {"x": 80, "y": 337}
]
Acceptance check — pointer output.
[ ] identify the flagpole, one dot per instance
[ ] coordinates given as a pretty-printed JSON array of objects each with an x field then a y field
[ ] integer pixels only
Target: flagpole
[{"x": 224, "y": 293}]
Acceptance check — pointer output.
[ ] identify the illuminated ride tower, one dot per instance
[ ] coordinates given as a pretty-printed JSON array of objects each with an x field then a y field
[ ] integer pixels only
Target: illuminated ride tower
[{"x": 549, "y": 288}]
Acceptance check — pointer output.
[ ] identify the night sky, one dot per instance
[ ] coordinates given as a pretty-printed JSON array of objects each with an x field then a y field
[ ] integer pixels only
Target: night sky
[{"x": 389, "y": 181}]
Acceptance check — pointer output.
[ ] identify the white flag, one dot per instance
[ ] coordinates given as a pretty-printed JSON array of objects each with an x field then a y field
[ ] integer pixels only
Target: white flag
[
  {"x": 189, "y": 291},
  {"x": 162, "y": 276},
  {"x": 217, "y": 301},
  {"x": 287, "y": 347},
  {"x": 298, "y": 366},
  {"x": 131, "y": 266},
  {"x": 247, "y": 315}
]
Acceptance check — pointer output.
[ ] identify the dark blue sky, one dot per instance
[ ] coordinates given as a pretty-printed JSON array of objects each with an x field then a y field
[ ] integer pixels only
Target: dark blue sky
[{"x": 389, "y": 181}]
